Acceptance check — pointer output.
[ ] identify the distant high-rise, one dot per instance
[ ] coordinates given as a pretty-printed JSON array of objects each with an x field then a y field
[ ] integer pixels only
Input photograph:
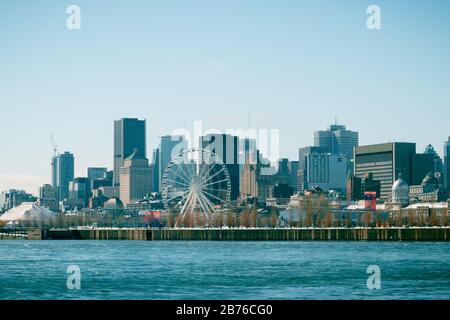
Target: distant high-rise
[
  {"x": 129, "y": 134},
  {"x": 80, "y": 192},
  {"x": 447, "y": 164},
  {"x": 438, "y": 166},
  {"x": 386, "y": 161},
  {"x": 96, "y": 173},
  {"x": 62, "y": 173},
  {"x": 301, "y": 174},
  {"x": 155, "y": 163},
  {"x": 169, "y": 147},
  {"x": 48, "y": 197},
  {"x": 226, "y": 147},
  {"x": 326, "y": 170},
  {"x": 135, "y": 179},
  {"x": 337, "y": 140}
]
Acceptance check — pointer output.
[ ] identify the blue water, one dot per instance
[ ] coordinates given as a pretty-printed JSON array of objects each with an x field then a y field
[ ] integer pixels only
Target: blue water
[{"x": 223, "y": 270}]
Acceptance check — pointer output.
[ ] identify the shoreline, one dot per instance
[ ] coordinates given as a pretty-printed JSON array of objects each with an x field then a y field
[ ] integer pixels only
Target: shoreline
[{"x": 416, "y": 234}]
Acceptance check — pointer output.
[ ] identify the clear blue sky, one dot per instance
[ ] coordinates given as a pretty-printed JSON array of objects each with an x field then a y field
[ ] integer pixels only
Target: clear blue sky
[{"x": 294, "y": 64}]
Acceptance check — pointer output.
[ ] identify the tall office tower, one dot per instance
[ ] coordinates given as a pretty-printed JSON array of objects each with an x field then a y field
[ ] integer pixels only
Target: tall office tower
[
  {"x": 129, "y": 134},
  {"x": 302, "y": 153},
  {"x": 248, "y": 180},
  {"x": 337, "y": 140},
  {"x": 55, "y": 171},
  {"x": 327, "y": 171},
  {"x": 169, "y": 147},
  {"x": 155, "y": 163},
  {"x": 438, "y": 166},
  {"x": 48, "y": 197},
  {"x": 421, "y": 164},
  {"x": 62, "y": 173},
  {"x": 447, "y": 164},
  {"x": 283, "y": 175},
  {"x": 293, "y": 171},
  {"x": 247, "y": 151},
  {"x": 226, "y": 147},
  {"x": 135, "y": 179},
  {"x": 386, "y": 161},
  {"x": 80, "y": 191}
]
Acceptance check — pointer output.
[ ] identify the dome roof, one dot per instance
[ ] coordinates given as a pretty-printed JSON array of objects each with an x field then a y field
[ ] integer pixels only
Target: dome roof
[
  {"x": 114, "y": 204},
  {"x": 430, "y": 179},
  {"x": 400, "y": 184}
]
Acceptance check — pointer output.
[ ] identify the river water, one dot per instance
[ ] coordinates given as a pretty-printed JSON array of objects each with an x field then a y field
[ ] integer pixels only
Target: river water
[{"x": 222, "y": 270}]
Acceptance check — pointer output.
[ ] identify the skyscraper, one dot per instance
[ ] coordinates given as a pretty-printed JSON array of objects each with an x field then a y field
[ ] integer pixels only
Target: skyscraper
[
  {"x": 48, "y": 197},
  {"x": 226, "y": 147},
  {"x": 169, "y": 147},
  {"x": 386, "y": 161},
  {"x": 80, "y": 191},
  {"x": 155, "y": 163},
  {"x": 129, "y": 134},
  {"x": 337, "y": 140},
  {"x": 96, "y": 173},
  {"x": 301, "y": 174},
  {"x": 62, "y": 173},
  {"x": 135, "y": 179},
  {"x": 447, "y": 164},
  {"x": 437, "y": 160},
  {"x": 326, "y": 170}
]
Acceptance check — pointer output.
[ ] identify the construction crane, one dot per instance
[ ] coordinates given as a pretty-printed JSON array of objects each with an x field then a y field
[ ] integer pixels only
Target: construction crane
[{"x": 55, "y": 148}]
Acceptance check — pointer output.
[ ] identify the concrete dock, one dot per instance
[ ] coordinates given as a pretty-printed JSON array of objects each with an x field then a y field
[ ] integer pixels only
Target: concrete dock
[{"x": 250, "y": 234}]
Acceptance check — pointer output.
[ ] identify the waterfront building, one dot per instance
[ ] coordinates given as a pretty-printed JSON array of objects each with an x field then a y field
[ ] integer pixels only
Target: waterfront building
[
  {"x": 129, "y": 134},
  {"x": 114, "y": 206},
  {"x": 135, "y": 178},
  {"x": 169, "y": 147},
  {"x": 63, "y": 169},
  {"x": 337, "y": 140},
  {"x": 48, "y": 197},
  {"x": 28, "y": 213},
  {"x": 430, "y": 190},
  {"x": 400, "y": 192},
  {"x": 225, "y": 146}
]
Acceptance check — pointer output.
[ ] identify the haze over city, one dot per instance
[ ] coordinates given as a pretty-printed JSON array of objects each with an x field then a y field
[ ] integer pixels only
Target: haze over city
[{"x": 294, "y": 66}]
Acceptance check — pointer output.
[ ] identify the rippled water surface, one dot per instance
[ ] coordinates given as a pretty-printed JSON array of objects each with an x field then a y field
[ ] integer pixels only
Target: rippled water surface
[{"x": 223, "y": 270}]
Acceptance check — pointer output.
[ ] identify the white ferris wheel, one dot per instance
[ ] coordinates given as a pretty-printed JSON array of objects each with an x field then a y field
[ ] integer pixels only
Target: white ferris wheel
[{"x": 196, "y": 183}]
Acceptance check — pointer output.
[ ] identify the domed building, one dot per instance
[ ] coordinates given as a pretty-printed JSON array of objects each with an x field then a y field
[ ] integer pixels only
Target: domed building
[
  {"x": 114, "y": 206},
  {"x": 430, "y": 190},
  {"x": 400, "y": 192}
]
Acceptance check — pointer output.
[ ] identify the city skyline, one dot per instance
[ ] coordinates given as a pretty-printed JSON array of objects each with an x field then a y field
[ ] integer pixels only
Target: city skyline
[{"x": 163, "y": 65}]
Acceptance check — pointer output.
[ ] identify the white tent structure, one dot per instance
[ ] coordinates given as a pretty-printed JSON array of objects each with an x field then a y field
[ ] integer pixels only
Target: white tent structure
[{"x": 28, "y": 212}]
